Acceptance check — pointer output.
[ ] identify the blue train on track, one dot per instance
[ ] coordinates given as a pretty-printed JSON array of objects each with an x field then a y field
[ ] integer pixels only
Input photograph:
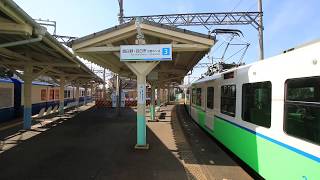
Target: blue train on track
[{"x": 44, "y": 96}]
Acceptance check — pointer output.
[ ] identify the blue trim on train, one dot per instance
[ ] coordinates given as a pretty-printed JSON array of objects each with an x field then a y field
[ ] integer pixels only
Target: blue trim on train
[
  {"x": 5, "y": 80},
  {"x": 305, "y": 154},
  {"x": 7, "y": 114},
  {"x": 38, "y": 106},
  {"x": 38, "y": 83}
]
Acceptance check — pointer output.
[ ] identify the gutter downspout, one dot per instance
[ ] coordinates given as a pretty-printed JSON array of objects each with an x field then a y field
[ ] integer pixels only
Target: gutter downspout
[
  {"x": 22, "y": 42},
  {"x": 40, "y": 31}
]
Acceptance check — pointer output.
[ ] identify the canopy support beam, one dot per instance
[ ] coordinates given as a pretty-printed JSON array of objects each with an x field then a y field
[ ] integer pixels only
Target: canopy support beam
[{"x": 141, "y": 70}]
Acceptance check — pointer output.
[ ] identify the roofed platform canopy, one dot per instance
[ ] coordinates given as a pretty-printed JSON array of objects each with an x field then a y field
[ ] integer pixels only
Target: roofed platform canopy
[
  {"x": 29, "y": 51},
  {"x": 23, "y": 42},
  {"x": 103, "y": 48}
]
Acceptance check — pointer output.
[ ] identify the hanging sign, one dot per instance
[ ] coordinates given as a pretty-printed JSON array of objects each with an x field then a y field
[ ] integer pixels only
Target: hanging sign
[
  {"x": 153, "y": 52},
  {"x": 142, "y": 94}
]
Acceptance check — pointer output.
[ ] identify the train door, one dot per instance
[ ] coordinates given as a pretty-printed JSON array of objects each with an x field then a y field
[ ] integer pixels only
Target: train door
[
  {"x": 209, "y": 106},
  {"x": 17, "y": 98}
]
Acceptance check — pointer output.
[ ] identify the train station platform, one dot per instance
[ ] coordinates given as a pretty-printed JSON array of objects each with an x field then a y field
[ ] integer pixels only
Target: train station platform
[{"x": 95, "y": 143}]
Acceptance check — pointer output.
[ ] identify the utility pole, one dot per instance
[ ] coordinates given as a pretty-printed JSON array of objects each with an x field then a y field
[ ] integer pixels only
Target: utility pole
[
  {"x": 120, "y": 15},
  {"x": 104, "y": 94},
  {"x": 260, "y": 29},
  {"x": 118, "y": 84},
  {"x": 118, "y": 94}
]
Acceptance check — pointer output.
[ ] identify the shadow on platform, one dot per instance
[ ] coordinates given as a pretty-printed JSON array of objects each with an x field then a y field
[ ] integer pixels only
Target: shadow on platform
[{"x": 95, "y": 144}]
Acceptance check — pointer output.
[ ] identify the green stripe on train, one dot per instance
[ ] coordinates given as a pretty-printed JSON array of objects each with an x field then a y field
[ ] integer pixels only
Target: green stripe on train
[
  {"x": 270, "y": 160},
  {"x": 202, "y": 118}
]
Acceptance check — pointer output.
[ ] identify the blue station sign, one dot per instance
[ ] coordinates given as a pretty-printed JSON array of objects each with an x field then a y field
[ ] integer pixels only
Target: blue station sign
[{"x": 150, "y": 52}]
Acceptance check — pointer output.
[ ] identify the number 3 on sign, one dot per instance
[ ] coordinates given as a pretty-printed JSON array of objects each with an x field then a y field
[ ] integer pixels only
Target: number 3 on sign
[{"x": 165, "y": 51}]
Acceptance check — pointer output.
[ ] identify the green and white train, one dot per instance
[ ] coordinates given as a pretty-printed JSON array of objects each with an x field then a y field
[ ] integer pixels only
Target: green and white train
[{"x": 267, "y": 113}]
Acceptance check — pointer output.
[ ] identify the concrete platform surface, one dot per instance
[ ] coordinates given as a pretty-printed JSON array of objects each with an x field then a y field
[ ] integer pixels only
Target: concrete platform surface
[{"x": 98, "y": 144}]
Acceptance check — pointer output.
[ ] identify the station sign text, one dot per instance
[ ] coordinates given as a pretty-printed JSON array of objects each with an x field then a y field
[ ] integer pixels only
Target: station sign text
[{"x": 151, "y": 52}]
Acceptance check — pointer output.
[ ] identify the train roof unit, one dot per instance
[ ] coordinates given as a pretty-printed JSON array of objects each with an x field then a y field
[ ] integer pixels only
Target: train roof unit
[{"x": 267, "y": 65}]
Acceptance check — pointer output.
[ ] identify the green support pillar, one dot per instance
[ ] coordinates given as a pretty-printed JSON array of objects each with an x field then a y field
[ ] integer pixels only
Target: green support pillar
[
  {"x": 85, "y": 94},
  {"x": 61, "y": 95},
  {"x": 27, "y": 112},
  {"x": 158, "y": 99},
  {"x": 77, "y": 94},
  {"x": 168, "y": 95},
  {"x": 141, "y": 114},
  {"x": 152, "y": 102},
  {"x": 141, "y": 69},
  {"x": 91, "y": 92}
]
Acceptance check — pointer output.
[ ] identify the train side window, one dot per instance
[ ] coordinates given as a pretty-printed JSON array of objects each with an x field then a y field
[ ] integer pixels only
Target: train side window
[
  {"x": 51, "y": 94},
  {"x": 194, "y": 96},
  {"x": 43, "y": 94},
  {"x": 56, "y": 94},
  {"x": 6, "y": 97},
  {"x": 256, "y": 103},
  {"x": 302, "y": 108},
  {"x": 198, "y": 100},
  {"x": 228, "y": 100},
  {"x": 65, "y": 93},
  {"x": 188, "y": 95},
  {"x": 210, "y": 96}
]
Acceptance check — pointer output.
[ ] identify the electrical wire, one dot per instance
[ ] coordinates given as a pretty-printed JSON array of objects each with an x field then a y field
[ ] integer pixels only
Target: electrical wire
[
  {"x": 255, "y": 4},
  {"x": 239, "y": 2}
]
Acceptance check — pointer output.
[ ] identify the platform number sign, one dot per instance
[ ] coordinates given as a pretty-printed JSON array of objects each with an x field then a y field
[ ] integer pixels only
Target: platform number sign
[{"x": 165, "y": 51}]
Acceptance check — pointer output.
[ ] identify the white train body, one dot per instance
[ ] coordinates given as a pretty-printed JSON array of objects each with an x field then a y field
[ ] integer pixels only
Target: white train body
[{"x": 281, "y": 72}]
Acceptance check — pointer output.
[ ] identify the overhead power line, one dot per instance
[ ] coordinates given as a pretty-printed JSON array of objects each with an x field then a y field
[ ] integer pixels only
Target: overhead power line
[{"x": 203, "y": 19}]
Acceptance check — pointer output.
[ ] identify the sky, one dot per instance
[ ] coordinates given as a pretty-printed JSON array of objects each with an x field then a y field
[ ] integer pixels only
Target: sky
[{"x": 287, "y": 23}]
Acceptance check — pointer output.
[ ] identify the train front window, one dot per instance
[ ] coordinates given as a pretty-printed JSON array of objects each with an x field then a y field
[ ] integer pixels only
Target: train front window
[
  {"x": 210, "y": 95},
  {"x": 302, "y": 108},
  {"x": 256, "y": 103},
  {"x": 228, "y": 100}
]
